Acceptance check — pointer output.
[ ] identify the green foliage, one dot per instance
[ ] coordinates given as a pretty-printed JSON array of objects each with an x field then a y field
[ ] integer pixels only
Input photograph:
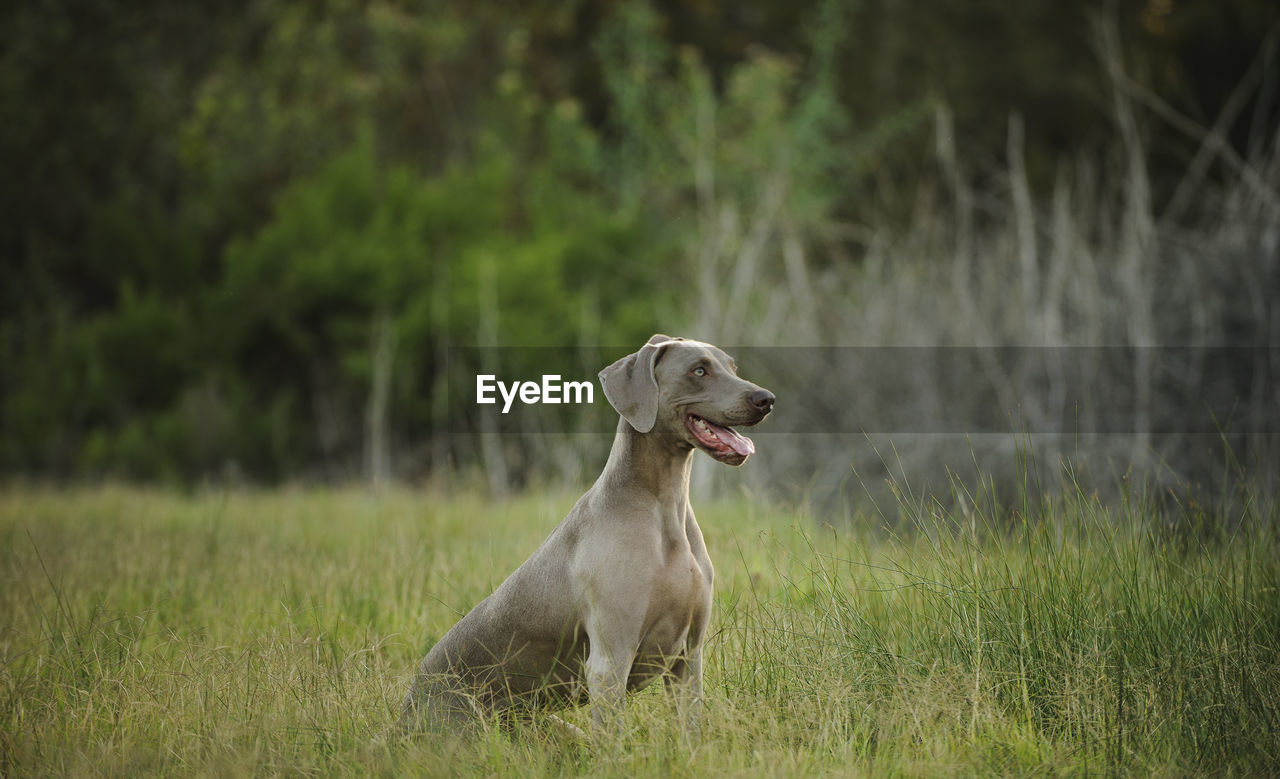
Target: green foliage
[
  {"x": 230, "y": 342},
  {"x": 212, "y": 216},
  {"x": 263, "y": 365},
  {"x": 679, "y": 137},
  {"x": 508, "y": 238}
]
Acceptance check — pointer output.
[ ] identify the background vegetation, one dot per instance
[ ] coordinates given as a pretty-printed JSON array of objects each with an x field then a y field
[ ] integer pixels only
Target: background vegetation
[{"x": 240, "y": 241}]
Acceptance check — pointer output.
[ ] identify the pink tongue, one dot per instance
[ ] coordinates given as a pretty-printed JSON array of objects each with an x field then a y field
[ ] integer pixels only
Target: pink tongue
[{"x": 738, "y": 443}]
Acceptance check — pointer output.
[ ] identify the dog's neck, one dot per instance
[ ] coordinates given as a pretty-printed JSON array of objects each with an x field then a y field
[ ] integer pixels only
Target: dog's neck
[{"x": 655, "y": 463}]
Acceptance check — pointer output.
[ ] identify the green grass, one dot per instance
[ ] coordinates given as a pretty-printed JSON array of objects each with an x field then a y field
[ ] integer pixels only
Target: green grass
[{"x": 239, "y": 633}]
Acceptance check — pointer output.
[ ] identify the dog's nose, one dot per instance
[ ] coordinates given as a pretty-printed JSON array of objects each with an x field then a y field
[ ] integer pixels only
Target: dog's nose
[{"x": 762, "y": 400}]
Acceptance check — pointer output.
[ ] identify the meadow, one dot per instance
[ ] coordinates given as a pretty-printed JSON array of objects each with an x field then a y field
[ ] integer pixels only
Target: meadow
[{"x": 248, "y": 632}]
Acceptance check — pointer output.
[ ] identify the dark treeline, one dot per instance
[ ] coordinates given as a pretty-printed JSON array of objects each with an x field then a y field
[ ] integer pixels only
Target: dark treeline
[{"x": 241, "y": 238}]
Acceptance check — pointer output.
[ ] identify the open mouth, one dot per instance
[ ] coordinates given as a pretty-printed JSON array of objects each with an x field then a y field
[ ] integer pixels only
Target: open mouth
[{"x": 722, "y": 443}]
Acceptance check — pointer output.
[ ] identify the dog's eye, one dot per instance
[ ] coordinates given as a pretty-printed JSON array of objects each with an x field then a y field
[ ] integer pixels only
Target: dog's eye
[{"x": 699, "y": 371}]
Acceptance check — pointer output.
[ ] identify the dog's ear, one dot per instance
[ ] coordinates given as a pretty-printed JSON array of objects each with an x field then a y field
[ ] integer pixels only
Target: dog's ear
[{"x": 631, "y": 387}]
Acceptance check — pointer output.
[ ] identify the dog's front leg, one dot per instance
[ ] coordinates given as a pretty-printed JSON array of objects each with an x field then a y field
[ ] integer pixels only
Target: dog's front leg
[
  {"x": 607, "y": 683},
  {"x": 613, "y": 648},
  {"x": 683, "y": 684}
]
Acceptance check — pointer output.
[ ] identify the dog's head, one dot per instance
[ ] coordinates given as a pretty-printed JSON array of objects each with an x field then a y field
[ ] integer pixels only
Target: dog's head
[{"x": 688, "y": 390}]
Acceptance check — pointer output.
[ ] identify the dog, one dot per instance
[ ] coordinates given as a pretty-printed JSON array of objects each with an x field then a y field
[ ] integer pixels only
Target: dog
[{"x": 620, "y": 593}]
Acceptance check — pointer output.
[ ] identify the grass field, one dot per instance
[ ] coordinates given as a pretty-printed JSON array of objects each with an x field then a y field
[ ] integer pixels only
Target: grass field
[{"x": 239, "y": 633}]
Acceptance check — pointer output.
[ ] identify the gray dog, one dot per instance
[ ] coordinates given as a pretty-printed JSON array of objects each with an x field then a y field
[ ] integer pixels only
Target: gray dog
[{"x": 620, "y": 592}]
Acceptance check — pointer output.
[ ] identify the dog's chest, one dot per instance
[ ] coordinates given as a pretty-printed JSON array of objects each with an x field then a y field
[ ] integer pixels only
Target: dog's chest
[{"x": 677, "y": 609}]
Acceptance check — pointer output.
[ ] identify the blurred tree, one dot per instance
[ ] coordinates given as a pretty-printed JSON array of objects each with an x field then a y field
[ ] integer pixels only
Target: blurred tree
[
  {"x": 96, "y": 241},
  {"x": 208, "y": 207}
]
